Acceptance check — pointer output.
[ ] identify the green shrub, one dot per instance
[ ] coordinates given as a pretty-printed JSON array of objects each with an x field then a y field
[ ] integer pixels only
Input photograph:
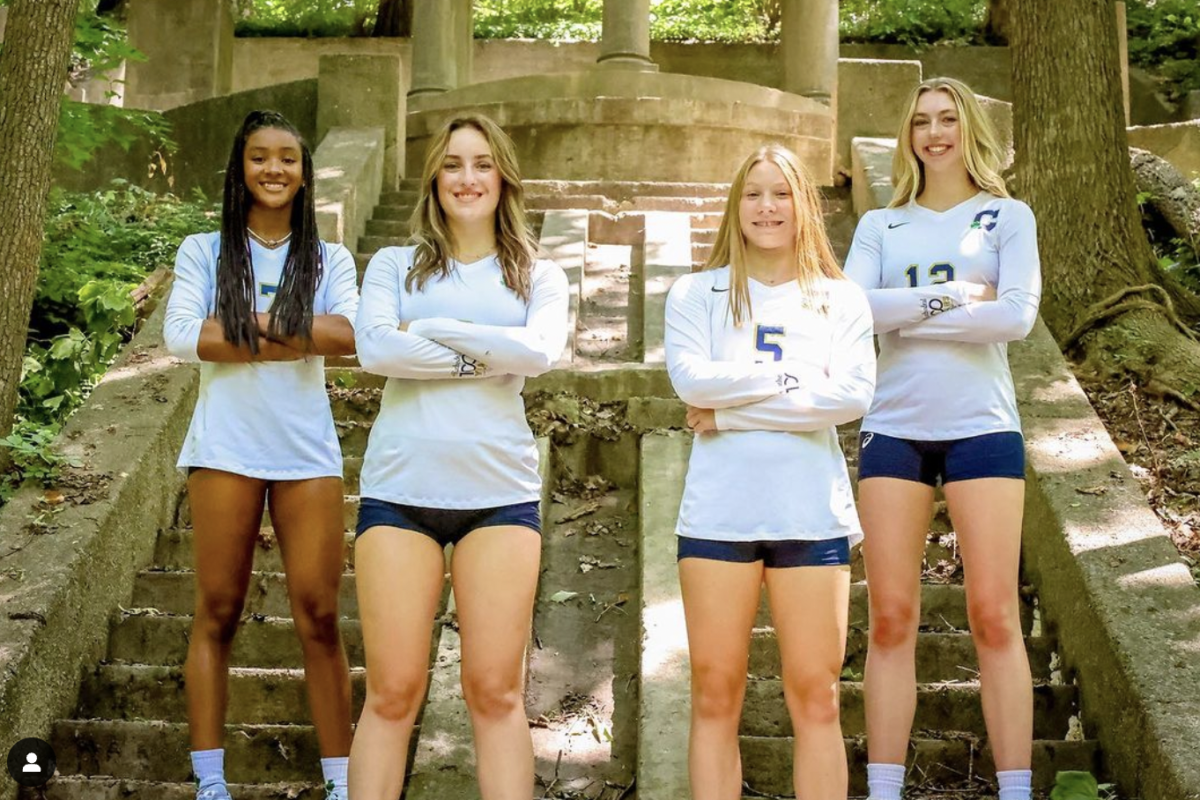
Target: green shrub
[
  {"x": 1164, "y": 37},
  {"x": 99, "y": 246},
  {"x": 912, "y": 22}
]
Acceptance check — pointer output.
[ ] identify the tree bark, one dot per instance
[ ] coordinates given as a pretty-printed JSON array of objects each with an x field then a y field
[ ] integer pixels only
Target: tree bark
[
  {"x": 1072, "y": 167},
  {"x": 997, "y": 22},
  {"x": 395, "y": 18},
  {"x": 1170, "y": 194},
  {"x": 33, "y": 70}
]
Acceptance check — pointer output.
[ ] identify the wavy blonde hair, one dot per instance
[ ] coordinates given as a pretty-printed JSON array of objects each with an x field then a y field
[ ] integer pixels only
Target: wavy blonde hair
[
  {"x": 813, "y": 254},
  {"x": 981, "y": 148},
  {"x": 515, "y": 245}
]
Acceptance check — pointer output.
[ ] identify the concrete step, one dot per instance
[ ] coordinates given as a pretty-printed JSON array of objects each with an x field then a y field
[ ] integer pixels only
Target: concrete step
[
  {"x": 174, "y": 593},
  {"x": 767, "y": 762},
  {"x": 174, "y": 549},
  {"x": 704, "y": 236},
  {"x": 400, "y": 212},
  {"x": 353, "y": 435},
  {"x": 940, "y": 656},
  {"x": 404, "y": 197},
  {"x": 124, "y": 692},
  {"x": 263, "y": 643},
  {"x": 369, "y": 245},
  {"x": 76, "y": 787},
  {"x": 390, "y": 228},
  {"x": 940, "y": 707},
  {"x": 159, "y": 751}
]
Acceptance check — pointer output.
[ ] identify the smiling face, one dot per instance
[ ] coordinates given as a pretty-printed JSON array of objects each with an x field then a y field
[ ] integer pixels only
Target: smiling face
[
  {"x": 273, "y": 163},
  {"x": 937, "y": 131},
  {"x": 766, "y": 210},
  {"x": 469, "y": 182}
]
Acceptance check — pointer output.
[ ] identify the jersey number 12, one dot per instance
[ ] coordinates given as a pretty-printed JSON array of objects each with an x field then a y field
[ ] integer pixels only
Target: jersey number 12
[{"x": 941, "y": 272}]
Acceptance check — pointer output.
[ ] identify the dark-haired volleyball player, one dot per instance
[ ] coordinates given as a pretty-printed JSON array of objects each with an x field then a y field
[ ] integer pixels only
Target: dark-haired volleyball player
[{"x": 259, "y": 304}]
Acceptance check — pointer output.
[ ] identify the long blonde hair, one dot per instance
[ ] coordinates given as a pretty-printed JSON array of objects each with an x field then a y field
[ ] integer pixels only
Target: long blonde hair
[
  {"x": 813, "y": 254},
  {"x": 981, "y": 148},
  {"x": 515, "y": 245}
]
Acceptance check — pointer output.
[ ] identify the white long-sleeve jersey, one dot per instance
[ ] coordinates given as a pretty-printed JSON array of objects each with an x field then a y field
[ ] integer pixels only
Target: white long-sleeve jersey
[
  {"x": 451, "y": 431},
  {"x": 268, "y": 419},
  {"x": 943, "y": 359},
  {"x": 780, "y": 382}
]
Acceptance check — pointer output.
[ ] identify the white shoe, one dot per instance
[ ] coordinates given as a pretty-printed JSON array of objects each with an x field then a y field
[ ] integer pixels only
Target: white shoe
[{"x": 219, "y": 792}]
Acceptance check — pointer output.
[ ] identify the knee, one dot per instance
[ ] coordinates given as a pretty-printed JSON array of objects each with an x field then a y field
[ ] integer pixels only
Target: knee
[
  {"x": 492, "y": 696},
  {"x": 218, "y": 614},
  {"x": 396, "y": 698},
  {"x": 894, "y": 623},
  {"x": 317, "y": 619},
  {"x": 717, "y": 694},
  {"x": 995, "y": 623},
  {"x": 812, "y": 699}
]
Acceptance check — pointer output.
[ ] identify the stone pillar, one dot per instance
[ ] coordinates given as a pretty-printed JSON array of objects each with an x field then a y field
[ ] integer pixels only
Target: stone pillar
[
  {"x": 188, "y": 48},
  {"x": 808, "y": 45},
  {"x": 365, "y": 92},
  {"x": 465, "y": 41},
  {"x": 626, "y": 38},
  {"x": 437, "y": 30}
]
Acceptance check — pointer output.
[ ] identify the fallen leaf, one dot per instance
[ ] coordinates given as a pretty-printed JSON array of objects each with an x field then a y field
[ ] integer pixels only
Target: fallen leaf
[
  {"x": 1091, "y": 490},
  {"x": 562, "y": 596}
]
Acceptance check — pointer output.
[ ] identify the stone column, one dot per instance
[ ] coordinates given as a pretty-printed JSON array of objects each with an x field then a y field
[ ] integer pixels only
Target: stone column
[
  {"x": 626, "y": 38},
  {"x": 465, "y": 40},
  {"x": 435, "y": 54},
  {"x": 188, "y": 48},
  {"x": 808, "y": 45}
]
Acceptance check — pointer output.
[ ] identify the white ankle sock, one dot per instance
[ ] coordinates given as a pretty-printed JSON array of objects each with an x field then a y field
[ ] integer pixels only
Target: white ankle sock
[
  {"x": 209, "y": 766},
  {"x": 1015, "y": 784},
  {"x": 885, "y": 781},
  {"x": 335, "y": 770}
]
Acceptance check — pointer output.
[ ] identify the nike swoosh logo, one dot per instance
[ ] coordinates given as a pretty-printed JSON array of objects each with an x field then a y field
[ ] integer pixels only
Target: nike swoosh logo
[
  {"x": 892, "y": 225},
  {"x": 715, "y": 289}
]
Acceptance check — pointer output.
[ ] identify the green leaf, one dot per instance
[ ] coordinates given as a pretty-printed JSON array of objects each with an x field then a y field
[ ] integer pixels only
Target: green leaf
[{"x": 1075, "y": 786}]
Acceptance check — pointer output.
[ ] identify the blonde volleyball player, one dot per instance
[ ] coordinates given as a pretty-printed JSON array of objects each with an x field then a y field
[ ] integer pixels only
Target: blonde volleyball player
[
  {"x": 770, "y": 347},
  {"x": 258, "y": 304},
  {"x": 952, "y": 273},
  {"x": 456, "y": 323}
]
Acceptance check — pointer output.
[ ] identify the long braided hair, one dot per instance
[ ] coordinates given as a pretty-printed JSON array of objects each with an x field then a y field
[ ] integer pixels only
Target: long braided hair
[{"x": 292, "y": 310}]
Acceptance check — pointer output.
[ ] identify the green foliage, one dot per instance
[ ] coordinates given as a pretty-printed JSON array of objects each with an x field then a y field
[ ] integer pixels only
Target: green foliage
[
  {"x": 715, "y": 20},
  {"x": 33, "y": 457},
  {"x": 304, "y": 17},
  {"x": 1080, "y": 786},
  {"x": 1164, "y": 35},
  {"x": 99, "y": 246},
  {"x": 101, "y": 45},
  {"x": 912, "y": 22},
  {"x": 566, "y": 20}
]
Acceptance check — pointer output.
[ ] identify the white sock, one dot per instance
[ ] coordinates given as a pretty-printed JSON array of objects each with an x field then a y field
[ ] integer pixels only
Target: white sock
[
  {"x": 209, "y": 766},
  {"x": 885, "y": 781},
  {"x": 335, "y": 770},
  {"x": 1015, "y": 784}
]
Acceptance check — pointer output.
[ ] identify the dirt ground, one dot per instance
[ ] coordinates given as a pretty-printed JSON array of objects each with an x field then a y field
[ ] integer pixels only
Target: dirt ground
[{"x": 1160, "y": 440}]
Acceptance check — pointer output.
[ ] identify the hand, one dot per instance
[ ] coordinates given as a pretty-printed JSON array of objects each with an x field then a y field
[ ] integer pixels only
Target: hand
[
  {"x": 269, "y": 350},
  {"x": 701, "y": 420},
  {"x": 263, "y": 322},
  {"x": 980, "y": 293},
  {"x": 404, "y": 326}
]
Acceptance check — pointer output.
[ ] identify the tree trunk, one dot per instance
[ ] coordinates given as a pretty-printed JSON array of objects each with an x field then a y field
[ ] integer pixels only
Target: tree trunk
[
  {"x": 1072, "y": 167},
  {"x": 997, "y": 22},
  {"x": 395, "y": 18},
  {"x": 33, "y": 69}
]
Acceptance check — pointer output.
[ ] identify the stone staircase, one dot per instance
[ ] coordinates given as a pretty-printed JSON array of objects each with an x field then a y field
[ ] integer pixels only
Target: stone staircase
[{"x": 128, "y": 736}]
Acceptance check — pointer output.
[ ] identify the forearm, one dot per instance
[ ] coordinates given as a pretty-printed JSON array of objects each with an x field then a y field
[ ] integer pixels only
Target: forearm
[
  {"x": 332, "y": 335},
  {"x": 214, "y": 347},
  {"x": 516, "y": 350}
]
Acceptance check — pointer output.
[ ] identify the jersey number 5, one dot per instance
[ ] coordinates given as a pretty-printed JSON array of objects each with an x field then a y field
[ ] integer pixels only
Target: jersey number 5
[
  {"x": 941, "y": 272},
  {"x": 763, "y": 344}
]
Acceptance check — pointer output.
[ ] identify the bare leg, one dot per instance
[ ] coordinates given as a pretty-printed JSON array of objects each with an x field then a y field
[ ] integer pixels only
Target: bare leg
[
  {"x": 720, "y": 599},
  {"x": 987, "y": 514},
  {"x": 810, "y": 606},
  {"x": 226, "y": 515},
  {"x": 895, "y": 517},
  {"x": 399, "y": 575},
  {"x": 495, "y": 572},
  {"x": 308, "y": 521}
]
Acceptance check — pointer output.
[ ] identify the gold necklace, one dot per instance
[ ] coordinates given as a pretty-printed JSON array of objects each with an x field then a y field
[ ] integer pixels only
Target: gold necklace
[
  {"x": 471, "y": 259},
  {"x": 270, "y": 244}
]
